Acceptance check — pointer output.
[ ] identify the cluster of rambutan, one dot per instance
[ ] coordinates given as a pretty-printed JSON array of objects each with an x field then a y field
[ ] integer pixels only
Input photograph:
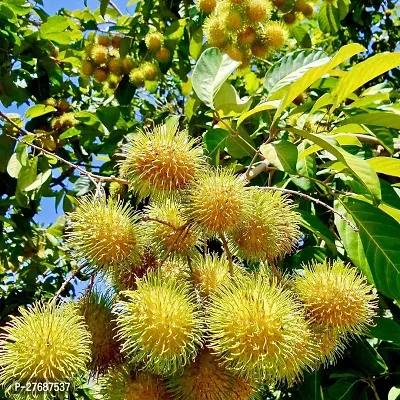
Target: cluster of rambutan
[
  {"x": 301, "y": 8},
  {"x": 185, "y": 323}
]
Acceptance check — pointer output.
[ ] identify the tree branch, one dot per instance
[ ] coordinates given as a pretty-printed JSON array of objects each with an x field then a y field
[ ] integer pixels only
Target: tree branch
[{"x": 69, "y": 279}]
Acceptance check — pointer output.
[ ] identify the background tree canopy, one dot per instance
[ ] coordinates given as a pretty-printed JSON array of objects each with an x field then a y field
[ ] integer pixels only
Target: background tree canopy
[{"x": 318, "y": 118}]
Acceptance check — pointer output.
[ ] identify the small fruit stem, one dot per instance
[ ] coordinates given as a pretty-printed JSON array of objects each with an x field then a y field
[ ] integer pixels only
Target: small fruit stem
[
  {"x": 65, "y": 283},
  {"x": 275, "y": 271},
  {"x": 160, "y": 221},
  {"x": 228, "y": 253},
  {"x": 182, "y": 231}
]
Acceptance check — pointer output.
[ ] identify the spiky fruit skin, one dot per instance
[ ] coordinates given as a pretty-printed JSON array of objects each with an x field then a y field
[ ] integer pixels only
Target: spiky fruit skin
[
  {"x": 100, "y": 75},
  {"x": 254, "y": 325},
  {"x": 247, "y": 36},
  {"x": 259, "y": 49},
  {"x": 104, "y": 233},
  {"x": 121, "y": 384},
  {"x": 289, "y": 18},
  {"x": 217, "y": 201},
  {"x": 215, "y": 31},
  {"x": 66, "y": 121},
  {"x": 113, "y": 81},
  {"x": 136, "y": 77},
  {"x": 175, "y": 268},
  {"x": 154, "y": 40},
  {"x": 45, "y": 343},
  {"x": 87, "y": 68},
  {"x": 160, "y": 323},
  {"x": 116, "y": 42},
  {"x": 258, "y": 10},
  {"x": 97, "y": 312},
  {"x": 103, "y": 40},
  {"x": 236, "y": 53},
  {"x": 330, "y": 345},
  {"x": 209, "y": 273},
  {"x": 206, "y": 379},
  {"x": 275, "y": 34},
  {"x": 127, "y": 65},
  {"x": 99, "y": 54},
  {"x": 336, "y": 296},
  {"x": 114, "y": 66},
  {"x": 279, "y": 3},
  {"x": 52, "y": 102},
  {"x": 150, "y": 71},
  {"x": 233, "y": 20},
  {"x": 160, "y": 162},
  {"x": 163, "y": 55},
  {"x": 118, "y": 190},
  {"x": 174, "y": 238},
  {"x": 62, "y": 105},
  {"x": 271, "y": 229},
  {"x": 206, "y": 6},
  {"x": 307, "y": 10}
]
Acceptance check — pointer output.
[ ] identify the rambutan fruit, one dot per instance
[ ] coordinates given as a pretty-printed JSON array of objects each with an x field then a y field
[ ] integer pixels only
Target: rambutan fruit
[
  {"x": 96, "y": 309},
  {"x": 254, "y": 324},
  {"x": 247, "y": 36},
  {"x": 114, "y": 53},
  {"x": 160, "y": 323},
  {"x": 206, "y": 6},
  {"x": 104, "y": 233},
  {"x": 271, "y": 229},
  {"x": 235, "y": 52},
  {"x": 237, "y": 2},
  {"x": 215, "y": 31},
  {"x": 150, "y": 71},
  {"x": 209, "y": 273},
  {"x": 160, "y": 161},
  {"x": 62, "y": 105},
  {"x": 114, "y": 65},
  {"x": 336, "y": 296},
  {"x": 177, "y": 237},
  {"x": 330, "y": 345},
  {"x": 52, "y": 102},
  {"x": 99, "y": 54},
  {"x": 113, "y": 82},
  {"x": 217, "y": 200},
  {"x": 116, "y": 41},
  {"x": 122, "y": 384},
  {"x": 233, "y": 20},
  {"x": 128, "y": 64},
  {"x": 275, "y": 34},
  {"x": 206, "y": 379},
  {"x": 118, "y": 189},
  {"x": 289, "y": 18},
  {"x": 88, "y": 49},
  {"x": 100, "y": 74},
  {"x": 258, "y": 10},
  {"x": 163, "y": 55},
  {"x": 45, "y": 343},
  {"x": 279, "y": 3},
  {"x": 259, "y": 49},
  {"x": 136, "y": 77},
  {"x": 307, "y": 9},
  {"x": 154, "y": 40},
  {"x": 87, "y": 68},
  {"x": 103, "y": 40},
  {"x": 175, "y": 268}
]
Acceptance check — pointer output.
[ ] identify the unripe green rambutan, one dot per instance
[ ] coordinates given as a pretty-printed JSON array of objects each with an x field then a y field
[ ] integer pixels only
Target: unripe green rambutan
[
  {"x": 121, "y": 384},
  {"x": 136, "y": 77},
  {"x": 206, "y": 379},
  {"x": 114, "y": 66},
  {"x": 87, "y": 68},
  {"x": 233, "y": 20},
  {"x": 160, "y": 161},
  {"x": 236, "y": 53},
  {"x": 163, "y": 54},
  {"x": 66, "y": 121},
  {"x": 154, "y": 40},
  {"x": 46, "y": 343},
  {"x": 160, "y": 323},
  {"x": 271, "y": 229},
  {"x": 259, "y": 49},
  {"x": 247, "y": 36},
  {"x": 116, "y": 42},
  {"x": 104, "y": 232},
  {"x": 209, "y": 273},
  {"x": 113, "y": 81},
  {"x": 97, "y": 312},
  {"x": 99, "y": 54},
  {"x": 118, "y": 189},
  {"x": 215, "y": 31},
  {"x": 254, "y": 325},
  {"x": 177, "y": 237},
  {"x": 289, "y": 18},
  {"x": 100, "y": 75},
  {"x": 52, "y": 102},
  {"x": 217, "y": 200},
  {"x": 336, "y": 296},
  {"x": 128, "y": 64},
  {"x": 275, "y": 34},
  {"x": 330, "y": 345},
  {"x": 150, "y": 71},
  {"x": 206, "y": 6},
  {"x": 103, "y": 40},
  {"x": 258, "y": 10}
]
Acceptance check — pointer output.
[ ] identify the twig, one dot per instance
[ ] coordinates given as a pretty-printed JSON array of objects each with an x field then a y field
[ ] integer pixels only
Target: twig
[
  {"x": 317, "y": 201},
  {"x": 275, "y": 271},
  {"x": 160, "y": 221},
  {"x": 67, "y": 280},
  {"x": 115, "y": 7},
  {"x": 228, "y": 253}
]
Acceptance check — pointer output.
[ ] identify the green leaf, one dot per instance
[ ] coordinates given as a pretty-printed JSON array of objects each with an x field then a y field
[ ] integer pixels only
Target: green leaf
[
  {"x": 302, "y": 37},
  {"x": 214, "y": 140},
  {"x": 38, "y": 110},
  {"x": 305, "y": 166},
  {"x": 282, "y": 155},
  {"x": 7, "y": 145},
  {"x": 342, "y": 389},
  {"x": 196, "y": 44},
  {"x": 359, "y": 167},
  {"x": 363, "y": 73},
  {"x": 103, "y": 6},
  {"x": 40, "y": 180},
  {"x": 344, "y": 6},
  {"x": 54, "y": 24},
  {"x": 228, "y": 103},
  {"x": 386, "y": 329},
  {"x": 329, "y": 18},
  {"x": 59, "y": 37},
  {"x": 378, "y": 118},
  {"x": 394, "y": 393},
  {"x": 310, "y": 388},
  {"x": 83, "y": 185},
  {"x": 27, "y": 175},
  {"x": 292, "y": 67},
  {"x": 237, "y": 148},
  {"x": 312, "y": 75},
  {"x": 14, "y": 166},
  {"x": 375, "y": 249},
  {"x": 211, "y": 71},
  {"x": 71, "y": 132},
  {"x": 109, "y": 116},
  {"x": 385, "y": 165},
  {"x": 269, "y": 105},
  {"x": 20, "y": 7}
]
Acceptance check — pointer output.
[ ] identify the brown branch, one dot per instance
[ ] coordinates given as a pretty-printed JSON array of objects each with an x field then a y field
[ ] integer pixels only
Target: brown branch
[
  {"x": 228, "y": 253},
  {"x": 65, "y": 283},
  {"x": 115, "y": 7},
  {"x": 275, "y": 271}
]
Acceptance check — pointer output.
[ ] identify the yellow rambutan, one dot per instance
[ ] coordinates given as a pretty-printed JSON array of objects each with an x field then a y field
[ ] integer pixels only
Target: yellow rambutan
[
  {"x": 178, "y": 237},
  {"x": 217, "y": 200},
  {"x": 128, "y": 64},
  {"x": 336, "y": 296},
  {"x": 163, "y": 54},
  {"x": 103, "y": 40},
  {"x": 45, "y": 343},
  {"x": 247, "y": 36},
  {"x": 150, "y": 71},
  {"x": 271, "y": 229},
  {"x": 118, "y": 189},
  {"x": 307, "y": 9},
  {"x": 259, "y": 49},
  {"x": 215, "y": 31},
  {"x": 275, "y": 34},
  {"x": 154, "y": 40},
  {"x": 258, "y": 10},
  {"x": 116, "y": 41},
  {"x": 160, "y": 323},
  {"x": 96, "y": 309},
  {"x": 99, "y": 54},
  {"x": 289, "y": 18},
  {"x": 206, "y": 379},
  {"x": 52, "y": 102},
  {"x": 175, "y": 268},
  {"x": 122, "y": 384},
  {"x": 104, "y": 232},
  {"x": 87, "y": 68},
  {"x": 235, "y": 52},
  {"x": 88, "y": 49},
  {"x": 233, "y": 20},
  {"x": 237, "y": 2},
  {"x": 206, "y": 6},
  {"x": 160, "y": 161},
  {"x": 62, "y": 105},
  {"x": 100, "y": 74},
  {"x": 137, "y": 77},
  {"x": 254, "y": 324},
  {"x": 113, "y": 82},
  {"x": 114, "y": 65}
]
